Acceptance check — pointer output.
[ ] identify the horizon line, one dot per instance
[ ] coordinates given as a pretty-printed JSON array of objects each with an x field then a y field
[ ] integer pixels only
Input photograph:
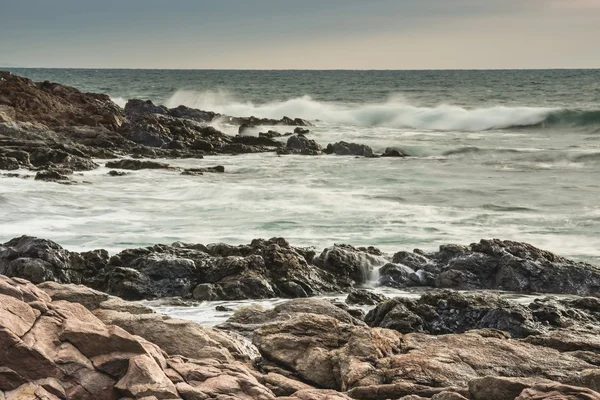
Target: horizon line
[{"x": 305, "y": 69}]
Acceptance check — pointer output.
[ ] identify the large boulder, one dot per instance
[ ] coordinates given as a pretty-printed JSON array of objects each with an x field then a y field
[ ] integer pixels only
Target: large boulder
[{"x": 300, "y": 144}]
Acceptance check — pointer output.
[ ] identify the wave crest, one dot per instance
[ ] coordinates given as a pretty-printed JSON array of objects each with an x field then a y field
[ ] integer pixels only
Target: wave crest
[{"x": 394, "y": 113}]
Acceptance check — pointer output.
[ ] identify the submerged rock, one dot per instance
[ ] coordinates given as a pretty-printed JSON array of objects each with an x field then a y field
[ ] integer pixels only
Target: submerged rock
[
  {"x": 349, "y": 149},
  {"x": 136, "y": 165}
]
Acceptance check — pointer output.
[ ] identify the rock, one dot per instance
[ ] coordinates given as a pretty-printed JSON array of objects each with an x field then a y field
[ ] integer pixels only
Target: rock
[
  {"x": 145, "y": 378},
  {"x": 299, "y": 144},
  {"x": 257, "y": 141},
  {"x": 50, "y": 176},
  {"x": 181, "y": 337},
  {"x": 246, "y": 319},
  {"x": 301, "y": 131},
  {"x": 135, "y": 108},
  {"x": 136, "y": 165},
  {"x": 194, "y": 171},
  {"x": 506, "y": 265},
  {"x": 558, "y": 392},
  {"x": 41, "y": 260},
  {"x": 56, "y": 105},
  {"x": 117, "y": 173},
  {"x": 243, "y": 128},
  {"x": 193, "y": 114},
  {"x": 348, "y": 261},
  {"x": 442, "y": 312},
  {"x": 365, "y": 297},
  {"x": 270, "y": 134},
  {"x": 349, "y": 149},
  {"x": 391, "y": 152},
  {"x": 223, "y": 309},
  {"x": 9, "y": 163},
  {"x": 501, "y": 388}
]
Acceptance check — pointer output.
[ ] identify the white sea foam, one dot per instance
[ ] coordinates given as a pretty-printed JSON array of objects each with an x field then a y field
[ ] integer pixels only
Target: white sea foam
[
  {"x": 394, "y": 113},
  {"x": 120, "y": 101}
]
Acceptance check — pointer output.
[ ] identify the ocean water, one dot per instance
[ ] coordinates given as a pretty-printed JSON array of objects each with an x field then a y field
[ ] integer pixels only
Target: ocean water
[{"x": 494, "y": 154}]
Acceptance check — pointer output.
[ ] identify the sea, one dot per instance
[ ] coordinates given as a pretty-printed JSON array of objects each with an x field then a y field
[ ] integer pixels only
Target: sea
[{"x": 508, "y": 154}]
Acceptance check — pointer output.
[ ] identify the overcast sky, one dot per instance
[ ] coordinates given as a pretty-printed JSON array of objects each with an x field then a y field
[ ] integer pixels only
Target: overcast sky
[{"x": 301, "y": 34}]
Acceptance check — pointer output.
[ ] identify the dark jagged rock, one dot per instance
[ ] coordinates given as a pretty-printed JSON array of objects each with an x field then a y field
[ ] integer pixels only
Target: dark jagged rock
[
  {"x": 200, "y": 171},
  {"x": 300, "y": 144},
  {"x": 301, "y": 131},
  {"x": 270, "y": 134},
  {"x": 365, "y": 298},
  {"x": 192, "y": 113},
  {"x": 443, "y": 312},
  {"x": 243, "y": 128},
  {"x": 391, "y": 152},
  {"x": 9, "y": 163},
  {"x": 49, "y": 126},
  {"x": 136, "y": 165},
  {"x": 257, "y": 141},
  {"x": 502, "y": 265},
  {"x": 348, "y": 261},
  {"x": 135, "y": 109},
  {"x": 349, "y": 149},
  {"x": 51, "y": 176}
]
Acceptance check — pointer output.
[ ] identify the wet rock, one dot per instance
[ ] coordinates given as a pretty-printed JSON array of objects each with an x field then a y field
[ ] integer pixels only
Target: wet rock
[
  {"x": 391, "y": 152},
  {"x": 270, "y": 134},
  {"x": 136, "y": 165},
  {"x": 117, "y": 173},
  {"x": 135, "y": 109},
  {"x": 200, "y": 171},
  {"x": 258, "y": 141},
  {"x": 443, "y": 312},
  {"x": 244, "y": 127},
  {"x": 365, "y": 297},
  {"x": 348, "y": 261},
  {"x": 50, "y": 176},
  {"x": 9, "y": 163},
  {"x": 506, "y": 265},
  {"x": 192, "y": 113},
  {"x": 349, "y": 149},
  {"x": 223, "y": 309},
  {"x": 300, "y": 144},
  {"x": 301, "y": 131}
]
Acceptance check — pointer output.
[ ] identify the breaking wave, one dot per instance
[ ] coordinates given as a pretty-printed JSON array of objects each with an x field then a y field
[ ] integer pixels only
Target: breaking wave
[{"x": 394, "y": 113}]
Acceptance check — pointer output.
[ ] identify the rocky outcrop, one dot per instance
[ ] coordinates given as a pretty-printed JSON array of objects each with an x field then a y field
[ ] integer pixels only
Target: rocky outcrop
[
  {"x": 274, "y": 268},
  {"x": 349, "y": 149},
  {"x": 51, "y": 126},
  {"x": 54, "y": 105},
  {"x": 495, "y": 264},
  {"x": 376, "y": 363},
  {"x": 263, "y": 269},
  {"x": 300, "y": 144}
]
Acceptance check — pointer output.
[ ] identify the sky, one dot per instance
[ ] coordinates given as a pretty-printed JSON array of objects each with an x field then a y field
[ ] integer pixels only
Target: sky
[{"x": 300, "y": 34}]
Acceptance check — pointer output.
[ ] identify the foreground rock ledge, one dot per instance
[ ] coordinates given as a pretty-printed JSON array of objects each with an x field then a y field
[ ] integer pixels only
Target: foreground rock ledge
[{"x": 71, "y": 342}]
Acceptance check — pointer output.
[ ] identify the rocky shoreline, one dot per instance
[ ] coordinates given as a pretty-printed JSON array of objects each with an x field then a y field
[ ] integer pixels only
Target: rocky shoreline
[
  {"x": 57, "y": 130},
  {"x": 64, "y": 340}
]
